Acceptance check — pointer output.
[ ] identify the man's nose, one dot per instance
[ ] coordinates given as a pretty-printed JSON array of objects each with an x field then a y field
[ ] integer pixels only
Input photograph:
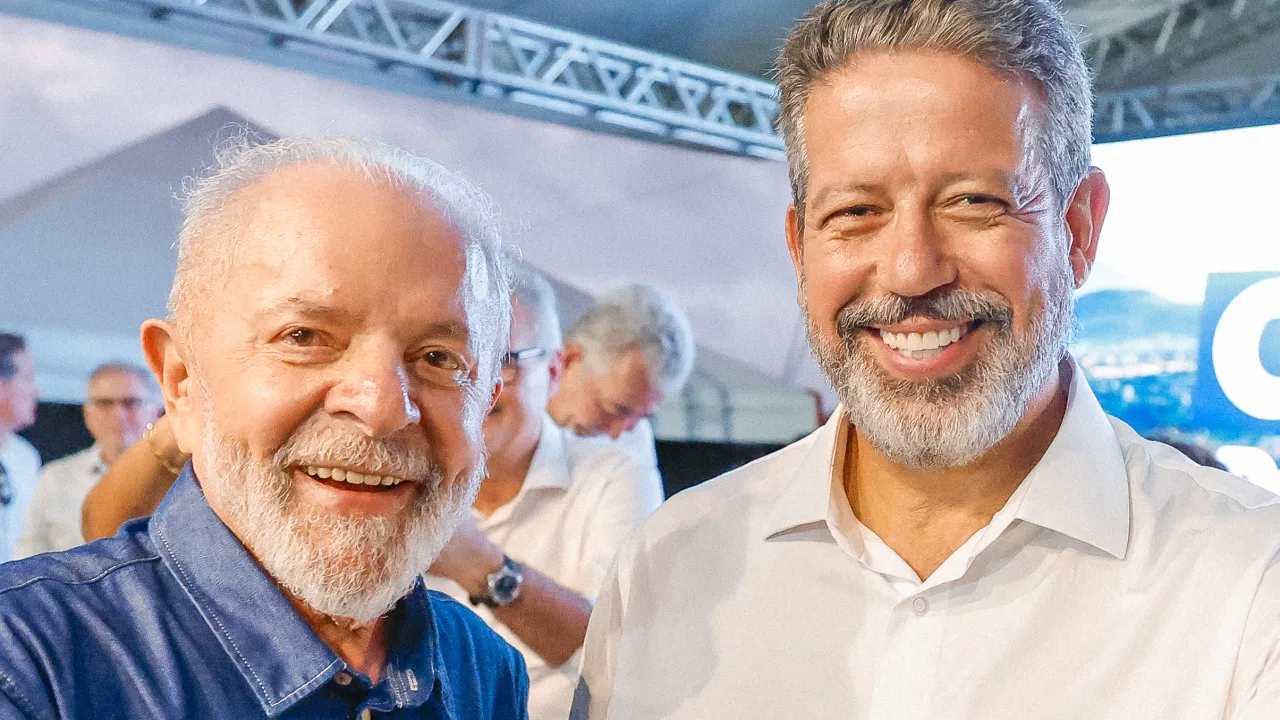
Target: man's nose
[
  {"x": 915, "y": 260},
  {"x": 374, "y": 391}
]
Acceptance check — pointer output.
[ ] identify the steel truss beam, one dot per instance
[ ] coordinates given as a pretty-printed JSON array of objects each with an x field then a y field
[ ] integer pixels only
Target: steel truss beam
[
  {"x": 1175, "y": 109},
  {"x": 429, "y": 44},
  {"x": 1189, "y": 32},
  {"x": 485, "y": 54}
]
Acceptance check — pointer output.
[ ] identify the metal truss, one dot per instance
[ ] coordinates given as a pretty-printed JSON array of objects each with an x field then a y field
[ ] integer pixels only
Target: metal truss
[
  {"x": 485, "y": 54},
  {"x": 1188, "y": 32},
  {"x": 1174, "y": 109}
]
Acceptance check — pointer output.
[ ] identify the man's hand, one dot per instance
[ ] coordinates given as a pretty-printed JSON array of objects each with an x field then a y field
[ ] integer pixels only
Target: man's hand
[{"x": 469, "y": 558}]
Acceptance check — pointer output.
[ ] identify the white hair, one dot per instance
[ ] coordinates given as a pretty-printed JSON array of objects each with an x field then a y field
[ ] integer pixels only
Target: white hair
[
  {"x": 539, "y": 298},
  {"x": 210, "y": 226},
  {"x": 638, "y": 317},
  {"x": 1028, "y": 38}
]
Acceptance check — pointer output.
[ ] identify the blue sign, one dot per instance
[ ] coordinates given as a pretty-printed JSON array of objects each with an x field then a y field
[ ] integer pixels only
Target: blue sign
[{"x": 1238, "y": 380}]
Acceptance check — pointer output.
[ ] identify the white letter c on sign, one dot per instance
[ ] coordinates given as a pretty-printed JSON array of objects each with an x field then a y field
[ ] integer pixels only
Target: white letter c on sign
[{"x": 1237, "y": 360}]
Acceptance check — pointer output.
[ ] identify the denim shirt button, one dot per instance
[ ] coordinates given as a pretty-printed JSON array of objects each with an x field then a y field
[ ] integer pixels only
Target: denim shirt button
[
  {"x": 343, "y": 678},
  {"x": 366, "y": 714}
]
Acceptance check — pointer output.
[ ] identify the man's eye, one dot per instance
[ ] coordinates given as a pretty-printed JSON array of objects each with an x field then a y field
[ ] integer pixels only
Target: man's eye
[
  {"x": 856, "y": 211},
  {"x": 443, "y": 360},
  {"x": 302, "y": 337},
  {"x": 981, "y": 200}
]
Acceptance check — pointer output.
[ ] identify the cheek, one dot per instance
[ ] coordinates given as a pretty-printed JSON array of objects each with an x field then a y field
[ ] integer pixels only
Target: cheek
[
  {"x": 833, "y": 275},
  {"x": 263, "y": 407},
  {"x": 445, "y": 424}
]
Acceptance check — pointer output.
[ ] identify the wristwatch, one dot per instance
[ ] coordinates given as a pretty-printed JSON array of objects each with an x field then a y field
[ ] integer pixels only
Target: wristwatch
[{"x": 504, "y": 585}]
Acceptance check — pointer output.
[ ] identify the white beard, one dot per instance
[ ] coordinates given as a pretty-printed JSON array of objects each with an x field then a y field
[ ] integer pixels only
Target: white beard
[
  {"x": 341, "y": 565},
  {"x": 952, "y": 421}
]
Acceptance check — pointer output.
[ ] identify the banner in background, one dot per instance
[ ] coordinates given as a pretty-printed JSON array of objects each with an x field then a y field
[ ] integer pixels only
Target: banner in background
[{"x": 1238, "y": 383}]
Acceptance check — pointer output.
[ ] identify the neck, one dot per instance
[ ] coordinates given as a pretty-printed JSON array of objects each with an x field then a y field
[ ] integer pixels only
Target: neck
[
  {"x": 109, "y": 453},
  {"x": 925, "y": 515},
  {"x": 507, "y": 469},
  {"x": 361, "y": 646}
]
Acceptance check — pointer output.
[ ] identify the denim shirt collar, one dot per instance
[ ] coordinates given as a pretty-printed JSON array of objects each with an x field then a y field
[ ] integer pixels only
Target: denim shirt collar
[{"x": 274, "y": 648}]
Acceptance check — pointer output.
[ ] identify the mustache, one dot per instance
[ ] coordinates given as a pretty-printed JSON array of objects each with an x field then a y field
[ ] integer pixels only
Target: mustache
[
  {"x": 944, "y": 305},
  {"x": 400, "y": 455}
]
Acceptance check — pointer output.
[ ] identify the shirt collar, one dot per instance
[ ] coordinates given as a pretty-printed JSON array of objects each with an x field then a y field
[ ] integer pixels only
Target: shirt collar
[
  {"x": 550, "y": 465},
  {"x": 279, "y": 655},
  {"x": 1080, "y": 487},
  {"x": 807, "y": 496},
  {"x": 97, "y": 466}
]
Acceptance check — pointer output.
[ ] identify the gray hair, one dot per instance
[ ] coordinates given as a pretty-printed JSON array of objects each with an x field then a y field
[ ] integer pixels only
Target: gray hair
[
  {"x": 210, "y": 202},
  {"x": 118, "y": 367},
  {"x": 539, "y": 298},
  {"x": 1029, "y": 38},
  {"x": 638, "y": 317},
  {"x": 10, "y": 344}
]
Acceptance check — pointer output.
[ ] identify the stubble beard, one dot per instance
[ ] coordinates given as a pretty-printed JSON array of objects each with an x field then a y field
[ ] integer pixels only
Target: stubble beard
[{"x": 954, "y": 420}]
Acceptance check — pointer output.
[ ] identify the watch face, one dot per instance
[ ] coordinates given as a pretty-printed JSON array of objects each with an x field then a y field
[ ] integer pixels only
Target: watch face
[{"x": 505, "y": 585}]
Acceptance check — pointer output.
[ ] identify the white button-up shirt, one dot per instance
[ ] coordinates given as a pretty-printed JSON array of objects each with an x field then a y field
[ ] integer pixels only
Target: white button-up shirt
[
  {"x": 1120, "y": 580},
  {"x": 581, "y": 498},
  {"x": 22, "y": 466},
  {"x": 53, "y": 523}
]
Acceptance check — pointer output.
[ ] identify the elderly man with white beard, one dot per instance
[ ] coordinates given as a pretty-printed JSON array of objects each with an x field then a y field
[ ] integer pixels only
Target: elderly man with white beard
[
  {"x": 337, "y": 322},
  {"x": 970, "y": 536}
]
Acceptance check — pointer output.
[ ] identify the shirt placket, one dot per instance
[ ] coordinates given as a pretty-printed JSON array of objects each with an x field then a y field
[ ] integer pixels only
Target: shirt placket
[{"x": 905, "y": 679}]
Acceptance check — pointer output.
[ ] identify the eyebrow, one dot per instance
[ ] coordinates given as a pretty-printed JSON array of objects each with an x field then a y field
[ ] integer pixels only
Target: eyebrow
[
  {"x": 825, "y": 195},
  {"x": 313, "y": 309}
]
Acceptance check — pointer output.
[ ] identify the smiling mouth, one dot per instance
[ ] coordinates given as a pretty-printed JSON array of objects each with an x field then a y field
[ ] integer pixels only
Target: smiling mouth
[
  {"x": 920, "y": 346},
  {"x": 349, "y": 479}
]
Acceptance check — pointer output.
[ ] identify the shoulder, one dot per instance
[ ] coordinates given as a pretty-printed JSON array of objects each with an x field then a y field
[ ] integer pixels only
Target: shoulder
[
  {"x": 465, "y": 637},
  {"x": 1172, "y": 496},
  {"x": 483, "y": 669},
  {"x": 19, "y": 448},
  {"x": 74, "y": 571},
  {"x": 72, "y": 462},
  {"x": 594, "y": 460},
  {"x": 731, "y": 504}
]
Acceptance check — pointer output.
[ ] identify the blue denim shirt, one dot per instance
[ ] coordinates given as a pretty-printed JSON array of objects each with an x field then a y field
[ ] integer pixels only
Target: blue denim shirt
[{"x": 172, "y": 618}]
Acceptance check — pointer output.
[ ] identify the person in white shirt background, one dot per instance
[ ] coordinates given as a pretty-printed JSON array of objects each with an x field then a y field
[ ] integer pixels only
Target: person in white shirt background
[
  {"x": 614, "y": 359},
  {"x": 120, "y": 403},
  {"x": 19, "y": 461},
  {"x": 970, "y": 536},
  {"x": 550, "y": 515}
]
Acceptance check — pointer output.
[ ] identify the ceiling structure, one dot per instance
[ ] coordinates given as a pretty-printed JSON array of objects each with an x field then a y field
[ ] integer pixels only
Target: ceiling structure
[{"x": 692, "y": 72}]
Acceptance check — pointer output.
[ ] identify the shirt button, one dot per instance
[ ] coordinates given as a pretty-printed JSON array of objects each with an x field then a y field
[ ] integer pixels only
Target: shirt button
[
  {"x": 920, "y": 606},
  {"x": 366, "y": 714},
  {"x": 343, "y": 678}
]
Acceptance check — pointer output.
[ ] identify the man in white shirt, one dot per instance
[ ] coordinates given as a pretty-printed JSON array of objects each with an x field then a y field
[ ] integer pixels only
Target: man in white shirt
[
  {"x": 119, "y": 405},
  {"x": 970, "y": 536},
  {"x": 549, "y": 517},
  {"x": 622, "y": 358},
  {"x": 19, "y": 461}
]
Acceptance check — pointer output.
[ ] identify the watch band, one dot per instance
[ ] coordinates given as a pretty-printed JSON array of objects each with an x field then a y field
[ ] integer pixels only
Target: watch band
[{"x": 504, "y": 585}]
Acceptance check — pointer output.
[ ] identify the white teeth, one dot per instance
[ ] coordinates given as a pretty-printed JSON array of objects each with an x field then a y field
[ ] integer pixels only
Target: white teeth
[
  {"x": 351, "y": 477},
  {"x": 917, "y": 345}
]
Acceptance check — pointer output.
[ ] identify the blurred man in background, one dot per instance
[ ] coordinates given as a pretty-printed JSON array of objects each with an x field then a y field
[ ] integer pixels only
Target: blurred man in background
[
  {"x": 550, "y": 514},
  {"x": 622, "y": 358},
  {"x": 19, "y": 461},
  {"x": 118, "y": 408}
]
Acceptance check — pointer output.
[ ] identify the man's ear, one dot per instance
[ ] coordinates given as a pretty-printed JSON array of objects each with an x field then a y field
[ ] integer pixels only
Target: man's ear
[
  {"x": 165, "y": 357},
  {"x": 555, "y": 368},
  {"x": 794, "y": 240},
  {"x": 1084, "y": 216},
  {"x": 571, "y": 354},
  {"x": 497, "y": 393}
]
